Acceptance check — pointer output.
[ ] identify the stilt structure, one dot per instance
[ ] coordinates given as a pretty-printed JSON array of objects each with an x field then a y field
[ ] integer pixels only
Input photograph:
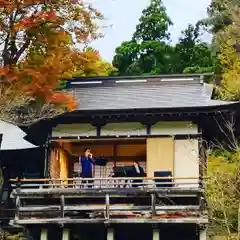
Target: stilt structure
[
  {"x": 65, "y": 234},
  {"x": 44, "y": 234},
  {"x": 110, "y": 234},
  {"x": 203, "y": 234},
  {"x": 156, "y": 234}
]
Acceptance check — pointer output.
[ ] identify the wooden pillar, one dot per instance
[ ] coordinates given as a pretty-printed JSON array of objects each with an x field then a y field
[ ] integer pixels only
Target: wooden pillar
[
  {"x": 65, "y": 234},
  {"x": 156, "y": 234},
  {"x": 203, "y": 234},
  {"x": 110, "y": 234},
  {"x": 107, "y": 202},
  {"x": 44, "y": 234},
  {"x": 153, "y": 200},
  {"x": 17, "y": 211}
]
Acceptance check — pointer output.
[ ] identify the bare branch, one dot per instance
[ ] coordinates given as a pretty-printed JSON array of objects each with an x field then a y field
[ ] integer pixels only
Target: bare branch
[{"x": 16, "y": 107}]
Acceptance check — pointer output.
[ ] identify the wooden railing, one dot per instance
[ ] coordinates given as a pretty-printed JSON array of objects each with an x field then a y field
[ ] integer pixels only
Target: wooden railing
[
  {"x": 146, "y": 182},
  {"x": 112, "y": 200}
]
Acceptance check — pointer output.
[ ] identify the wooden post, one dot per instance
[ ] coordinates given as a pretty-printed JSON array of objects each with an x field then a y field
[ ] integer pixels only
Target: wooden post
[
  {"x": 44, "y": 234},
  {"x": 17, "y": 211},
  {"x": 62, "y": 205},
  {"x": 110, "y": 234},
  {"x": 65, "y": 234},
  {"x": 153, "y": 200},
  {"x": 203, "y": 234},
  {"x": 107, "y": 202},
  {"x": 156, "y": 234}
]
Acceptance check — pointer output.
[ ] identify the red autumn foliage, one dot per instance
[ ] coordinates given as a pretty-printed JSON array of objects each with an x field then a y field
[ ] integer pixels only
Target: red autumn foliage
[{"x": 39, "y": 47}]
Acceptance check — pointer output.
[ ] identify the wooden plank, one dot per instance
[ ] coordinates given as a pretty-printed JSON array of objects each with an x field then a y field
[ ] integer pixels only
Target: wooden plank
[
  {"x": 119, "y": 191},
  {"x": 39, "y": 208},
  {"x": 200, "y": 220},
  {"x": 111, "y": 208},
  {"x": 113, "y": 184},
  {"x": 115, "y": 196},
  {"x": 92, "y": 143},
  {"x": 108, "y": 178}
]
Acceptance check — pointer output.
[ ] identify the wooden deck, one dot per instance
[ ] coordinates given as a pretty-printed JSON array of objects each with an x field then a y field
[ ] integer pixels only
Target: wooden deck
[{"x": 48, "y": 201}]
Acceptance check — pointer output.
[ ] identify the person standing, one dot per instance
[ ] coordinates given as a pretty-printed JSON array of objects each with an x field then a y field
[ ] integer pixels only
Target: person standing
[
  {"x": 87, "y": 162},
  {"x": 139, "y": 173}
]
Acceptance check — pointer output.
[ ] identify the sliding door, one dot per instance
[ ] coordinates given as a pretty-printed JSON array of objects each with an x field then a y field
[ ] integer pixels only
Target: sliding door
[
  {"x": 160, "y": 155},
  {"x": 186, "y": 162}
]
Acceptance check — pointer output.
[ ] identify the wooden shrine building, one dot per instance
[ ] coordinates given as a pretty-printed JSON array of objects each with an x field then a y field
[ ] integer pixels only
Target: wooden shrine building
[{"x": 159, "y": 122}]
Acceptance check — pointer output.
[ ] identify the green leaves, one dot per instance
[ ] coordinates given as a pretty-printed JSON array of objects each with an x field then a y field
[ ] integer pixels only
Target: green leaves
[
  {"x": 190, "y": 55},
  {"x": 63, "y": 84},
  {"x": 27, "y": 79},
  {"x": 153, "y": 24}
]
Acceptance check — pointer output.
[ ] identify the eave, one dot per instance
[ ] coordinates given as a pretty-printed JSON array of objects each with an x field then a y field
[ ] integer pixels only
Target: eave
[{"x": 154, "y": 112}]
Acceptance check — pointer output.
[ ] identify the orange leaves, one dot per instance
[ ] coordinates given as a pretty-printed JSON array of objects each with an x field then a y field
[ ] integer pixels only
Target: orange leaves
[
  {"x": 35, "y": 19},
  {"x": 66, "y": 100},
  {"x": 40, "y": 48},
  {"x": 39, "y": 76}
]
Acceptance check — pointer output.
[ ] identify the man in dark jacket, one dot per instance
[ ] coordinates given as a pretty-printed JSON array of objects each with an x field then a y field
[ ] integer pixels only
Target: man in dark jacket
[
  {"x": 139, "y": 173},
  {"x": 86, "y": 162}
]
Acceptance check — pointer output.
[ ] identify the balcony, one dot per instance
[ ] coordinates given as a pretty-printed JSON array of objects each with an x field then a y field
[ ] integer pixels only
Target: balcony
[{"x": 108, "y": 201}]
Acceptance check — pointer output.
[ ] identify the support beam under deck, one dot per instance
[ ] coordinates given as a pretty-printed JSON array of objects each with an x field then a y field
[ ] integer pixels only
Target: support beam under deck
[
  {"x": 44, "y": 234},
  {"x": 65, "y": 234},
  {"x": 156, "y": 234},
  {"x": 203, "y": 234},
  {"x": 110, "y": 234}
]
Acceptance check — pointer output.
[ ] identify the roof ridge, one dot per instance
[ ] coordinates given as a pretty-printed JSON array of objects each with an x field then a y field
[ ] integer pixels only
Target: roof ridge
[
  {"x": 132, "y": 77},
  {"x": 126, "y": 82}
]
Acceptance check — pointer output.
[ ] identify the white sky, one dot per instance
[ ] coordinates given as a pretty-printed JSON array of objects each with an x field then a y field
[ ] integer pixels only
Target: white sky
[{"x": 123, "y": 17}]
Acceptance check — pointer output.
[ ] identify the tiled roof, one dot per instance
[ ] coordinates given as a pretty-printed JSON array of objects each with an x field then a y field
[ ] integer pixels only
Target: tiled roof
[{"x": 145, "y": 93}]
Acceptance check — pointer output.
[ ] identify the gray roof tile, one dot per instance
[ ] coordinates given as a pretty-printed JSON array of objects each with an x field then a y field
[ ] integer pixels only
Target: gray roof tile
[{"x": 151, "y": 94}]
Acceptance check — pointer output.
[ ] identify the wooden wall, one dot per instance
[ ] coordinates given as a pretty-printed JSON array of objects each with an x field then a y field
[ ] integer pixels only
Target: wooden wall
[
  {"x": 59, "y": 166},
  {"x": 181, "y": 157},
  {"x": 54, "y": 163},
  {"x": 118, "y": 153},
  {"x": 115, "y": 150}
]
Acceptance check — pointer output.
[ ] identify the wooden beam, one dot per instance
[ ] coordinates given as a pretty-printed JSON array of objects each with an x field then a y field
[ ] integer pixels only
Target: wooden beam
[
  {"x": 189, "y": 220},
  {"x": 117, "y": 207},
  {"x": 92, "y": 142},
  {"x": 115, "y": 154},
  {"x": 43, "y": 180},
  {"x": 106, "y": 185},
  {"x": 119, "y": 191}
]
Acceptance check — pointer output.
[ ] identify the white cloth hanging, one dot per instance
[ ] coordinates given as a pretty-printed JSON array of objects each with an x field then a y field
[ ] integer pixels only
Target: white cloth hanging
[{"x": 13, "y": 137}]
